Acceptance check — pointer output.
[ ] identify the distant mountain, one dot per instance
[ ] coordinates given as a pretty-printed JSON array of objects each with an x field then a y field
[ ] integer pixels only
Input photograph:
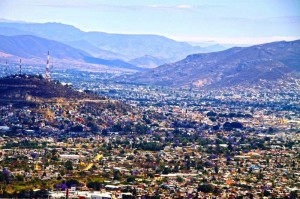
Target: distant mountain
[
  {"x": 32, "y": 47},
  {"x": 148, "y": 61},
  {"x": 215, "y": 47},
  {"x": 11, "y": 31},
  {"x": 113, "y": 63},
  {"x": 105, "y": 45},
  {"x": 52, "y": 31},
  {"x": 28, "y": 46},
  {"x": 211, "y": 46},
  {"x": 93, "y": 50},
  {"x": 133, "y": 46},
  {"x": 235, "y": 66}
]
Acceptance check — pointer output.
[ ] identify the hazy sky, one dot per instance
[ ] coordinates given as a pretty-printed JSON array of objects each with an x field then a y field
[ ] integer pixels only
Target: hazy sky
[{"x": 222, "y": 21}]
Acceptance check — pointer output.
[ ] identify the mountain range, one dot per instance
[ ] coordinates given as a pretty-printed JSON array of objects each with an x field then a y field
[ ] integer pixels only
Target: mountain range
[
  {"x": 28, "y": 46},
  {"x": 108, "y": 46},
  {"x": 232, "y": 67},
  {"x": 34, "y": 49},
  {"x": 71, "y": 47}
]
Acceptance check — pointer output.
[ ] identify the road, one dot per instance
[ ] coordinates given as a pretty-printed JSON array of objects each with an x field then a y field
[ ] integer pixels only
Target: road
[{"x": 97, "y": 158}]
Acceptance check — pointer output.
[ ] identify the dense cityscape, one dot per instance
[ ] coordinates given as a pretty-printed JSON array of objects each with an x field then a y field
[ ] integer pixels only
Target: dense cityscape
[
  {"x": 174, "y": 99},
  {"x": 157, "y": 142}
]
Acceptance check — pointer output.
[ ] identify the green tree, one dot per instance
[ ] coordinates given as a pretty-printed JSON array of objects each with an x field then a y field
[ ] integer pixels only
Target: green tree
[
  {"x": 130, "y": 179},
  {"x": 69, "y": 165},
  {"x": 206, "y": 188}
]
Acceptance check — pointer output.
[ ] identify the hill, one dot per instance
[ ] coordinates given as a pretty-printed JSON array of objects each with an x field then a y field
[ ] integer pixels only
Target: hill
[
  {"x": 23, "y": 89},
  {"x": 53, "y": 102},
  {"x": 235, "y": 66}
]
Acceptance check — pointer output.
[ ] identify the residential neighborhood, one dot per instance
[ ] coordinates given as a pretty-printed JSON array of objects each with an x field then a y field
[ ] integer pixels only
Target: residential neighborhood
[{"x": 155, "y": 143}]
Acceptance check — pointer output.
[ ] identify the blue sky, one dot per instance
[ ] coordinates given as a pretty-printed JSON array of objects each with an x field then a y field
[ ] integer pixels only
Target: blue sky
[{"x": 221, "y": 21}]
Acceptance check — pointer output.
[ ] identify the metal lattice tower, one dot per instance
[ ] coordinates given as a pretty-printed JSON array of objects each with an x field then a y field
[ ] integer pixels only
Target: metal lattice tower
[
  {"x": 6, "y": 71},
  {"x": 20, "y": 72},
  {"x": 48, "y": 76}
]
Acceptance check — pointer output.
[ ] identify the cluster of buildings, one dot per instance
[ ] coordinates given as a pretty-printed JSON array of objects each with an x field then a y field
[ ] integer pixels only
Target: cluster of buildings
[{"x": 159, "y": 143}]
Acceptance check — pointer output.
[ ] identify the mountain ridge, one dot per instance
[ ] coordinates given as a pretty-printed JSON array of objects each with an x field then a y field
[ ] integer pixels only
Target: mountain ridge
[
  {"x": 29, "y": 46},
  {"x": 238, "y": 65},
  {"x": 101, "y": 44},
  {"x": 35, "y": 49}
]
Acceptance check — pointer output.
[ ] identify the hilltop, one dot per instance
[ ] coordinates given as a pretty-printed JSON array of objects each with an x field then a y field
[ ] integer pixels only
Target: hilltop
[{"x": 33, "y": 89}]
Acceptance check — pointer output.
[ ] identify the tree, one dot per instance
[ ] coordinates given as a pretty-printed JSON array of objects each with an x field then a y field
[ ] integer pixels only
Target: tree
[
  {"x": 104, "y": 132},
  {"x": 206, "y": 188},
  {"x": 69, "y": 165},
  {"x": 231, "y": 125},
  {"x": 117, "y": 128},
  {"x": 117, "y": 175},
  {"x": 293, "y": 194},
  {"x": 211, "y": 113},
  {"x": 141, "y": 128},
  {"x": 179, "y": 179},
  {"x": 72, "y": 182},
  {"x": 96, "y": 185},
  {"x": 213, "y": 119},
  {"x": 5, "y": 173},
  {"x": 130, "y": 179},
  {"x": 127, "y": 196},
  {"x": 77, "y": 128},
  {"x": 267, "y": 193},
  {"x": 230, "y": 147},
  {"x": 23, "y": 194},
  {"x": 93, "y": 126},
  {"x": 166, "y": 170},
  {"x": 216, "y": 169}
]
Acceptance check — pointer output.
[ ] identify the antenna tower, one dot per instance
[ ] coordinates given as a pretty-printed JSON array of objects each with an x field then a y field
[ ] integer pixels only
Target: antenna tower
[
  {"x": 20, "y": 72},
  {"x": 48, "y": 76},
  {"x": 6, "y": 72}
]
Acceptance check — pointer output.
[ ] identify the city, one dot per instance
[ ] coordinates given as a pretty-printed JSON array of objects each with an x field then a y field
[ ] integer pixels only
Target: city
[
  {"x": 159, "y": 142},
  {"x": 181, "y": 99}
]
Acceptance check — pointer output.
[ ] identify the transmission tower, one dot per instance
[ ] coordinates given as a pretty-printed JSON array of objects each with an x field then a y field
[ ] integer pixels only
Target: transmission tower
[
  {"x": 20, "y": 71},
  {"x": 6, "y": 72},
  {"x": 48, "y": 76}
]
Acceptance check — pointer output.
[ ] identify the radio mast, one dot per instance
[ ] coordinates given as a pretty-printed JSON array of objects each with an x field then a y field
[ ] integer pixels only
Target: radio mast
[
  {"x": 48, "y": 76},
  {"x": 6, "y": 72},
  {"x": 20, "y": 72}
]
